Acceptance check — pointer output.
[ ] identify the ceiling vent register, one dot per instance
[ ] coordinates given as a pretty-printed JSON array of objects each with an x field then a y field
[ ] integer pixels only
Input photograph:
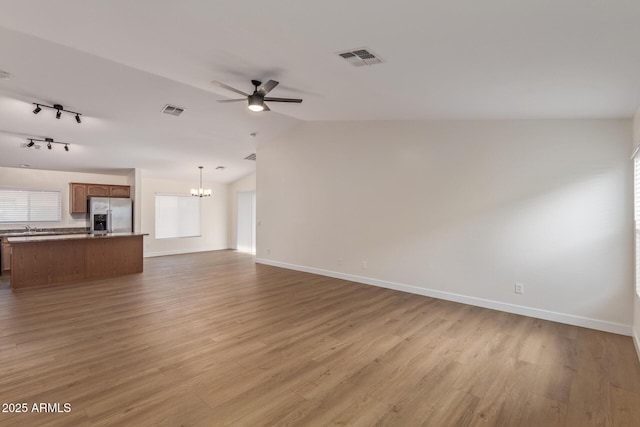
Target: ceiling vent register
[
  {"x": 251, "y": 157},
  {"x": 360, "y": 57},
  {"x": 172, "y": 110}
]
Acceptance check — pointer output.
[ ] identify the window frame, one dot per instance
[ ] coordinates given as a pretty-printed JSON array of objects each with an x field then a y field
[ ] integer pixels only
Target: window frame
[
  {"x": 197, "y": 233},
  {"x": 636, "y": 217},
  {"x": 30, "y": 208}
]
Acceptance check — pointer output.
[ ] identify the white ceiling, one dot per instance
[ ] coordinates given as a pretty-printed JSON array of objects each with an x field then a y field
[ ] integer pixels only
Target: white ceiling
[{"x": 119, "y": 62}]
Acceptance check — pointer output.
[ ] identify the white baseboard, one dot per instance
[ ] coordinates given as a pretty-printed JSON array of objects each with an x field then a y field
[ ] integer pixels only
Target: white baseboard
[
  {"x": 601, "y": 325},
  {"x": 636, "y": 341},
  {"x": 180, "y": 252}
]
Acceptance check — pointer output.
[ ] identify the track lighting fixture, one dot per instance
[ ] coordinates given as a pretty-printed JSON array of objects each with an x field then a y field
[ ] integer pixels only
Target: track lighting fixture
[
  {"x": 59, "y": 110},
  {"x": 49, "y": 141}
]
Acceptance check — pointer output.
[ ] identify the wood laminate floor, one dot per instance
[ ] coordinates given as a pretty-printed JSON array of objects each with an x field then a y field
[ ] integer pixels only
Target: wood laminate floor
[{"x": 212, "y": 339}]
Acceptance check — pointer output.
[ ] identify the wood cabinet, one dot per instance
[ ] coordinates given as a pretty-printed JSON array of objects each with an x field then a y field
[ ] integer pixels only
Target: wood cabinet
[
  {"x": 6, "y": 255},
  {"x": 79, "y": 191},
  {"x": 47, "y": 261},
  {"x": 119, "y": 191},
  {"x": 77, "y": 198},
  {"x": 98, "y": 190}
]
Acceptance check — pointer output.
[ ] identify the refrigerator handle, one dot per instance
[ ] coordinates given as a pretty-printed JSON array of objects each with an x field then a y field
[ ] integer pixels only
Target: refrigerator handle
[{"x": 109, "y": 227}]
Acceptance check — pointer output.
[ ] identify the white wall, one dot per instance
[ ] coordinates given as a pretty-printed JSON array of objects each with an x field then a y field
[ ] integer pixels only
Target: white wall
[
  {"x": 248, "y": 183},
  {"x": 459, "y": 210},
  {"x": 636, "y": 298},
  {"x": 36, "y": 179},
  {"x": 213, "y": 218}
]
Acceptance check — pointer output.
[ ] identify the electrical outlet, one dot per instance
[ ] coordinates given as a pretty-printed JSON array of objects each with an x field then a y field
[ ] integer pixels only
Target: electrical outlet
[
  {"x": 519, "y": 288},
  {"x": 364, "y": 265},
  {"x": 268, "y": 251},
  {"x": 340, "y": 261}
]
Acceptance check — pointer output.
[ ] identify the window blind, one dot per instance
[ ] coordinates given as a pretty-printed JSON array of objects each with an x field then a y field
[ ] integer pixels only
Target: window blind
[
  {"x": 177, "y": 216},
  {"x": 636, "y": 215},
  {"x": 636, "y": 188},
  {"x": 30, "y": 206}
]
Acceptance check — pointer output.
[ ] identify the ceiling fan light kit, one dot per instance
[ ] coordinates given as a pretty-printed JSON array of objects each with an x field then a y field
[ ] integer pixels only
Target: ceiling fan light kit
[{"x": 256, "y": 101}]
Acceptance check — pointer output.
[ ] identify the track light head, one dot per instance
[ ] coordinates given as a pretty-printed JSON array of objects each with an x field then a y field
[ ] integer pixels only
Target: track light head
[
  {"x": 37, "y": 109},
  {"x": 78, "y": 118},
  {"x": 59, "y": 111},
  {"x": 66, "y": 147},
  {"x": 49, "y": 145},
  {"x": 31, "y": 143}
]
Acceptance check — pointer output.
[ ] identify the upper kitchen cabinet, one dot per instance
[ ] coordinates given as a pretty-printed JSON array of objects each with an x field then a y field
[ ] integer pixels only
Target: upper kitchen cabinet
[
  {"x": 77, "y": 198},
  {"x": 119, "y": 191},
  {"x": 79, "y": 191},
  {"x": 98, "y": 190}
]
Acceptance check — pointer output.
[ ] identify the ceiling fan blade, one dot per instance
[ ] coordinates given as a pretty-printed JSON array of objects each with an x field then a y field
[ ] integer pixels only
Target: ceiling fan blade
[
  {"x": 224, "y": 86},
  {"x": 267, "y": 87},
  {"x": 298, "y": 101},
  {"x": 232, "y": 100},
  {"x": 266, "y": 108}
]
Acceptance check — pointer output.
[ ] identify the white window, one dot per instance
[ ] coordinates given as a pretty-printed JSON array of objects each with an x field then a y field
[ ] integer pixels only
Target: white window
[
  {"x": 636, "y": 215},
  {"x": 177, "y": 216},
  {"x": 30, "y": 206}
]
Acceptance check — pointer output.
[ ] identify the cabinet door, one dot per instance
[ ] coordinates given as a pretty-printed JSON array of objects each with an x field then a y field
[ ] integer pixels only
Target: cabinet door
[
  {"x": 119, "y": 191},
  {"x": 78, "y": 198},
  {"x": 6, "y": 257},
  {"x": 97, "y": 190}
]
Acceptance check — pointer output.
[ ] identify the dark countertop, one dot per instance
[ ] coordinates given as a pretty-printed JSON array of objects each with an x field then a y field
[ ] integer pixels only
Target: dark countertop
[
  {"x": 43, "y": 232},
  {"x": 77, "y": 236}
]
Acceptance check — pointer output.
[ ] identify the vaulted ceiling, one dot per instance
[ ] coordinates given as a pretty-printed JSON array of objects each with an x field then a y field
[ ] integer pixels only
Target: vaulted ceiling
[{"x": 119, "y": 62}]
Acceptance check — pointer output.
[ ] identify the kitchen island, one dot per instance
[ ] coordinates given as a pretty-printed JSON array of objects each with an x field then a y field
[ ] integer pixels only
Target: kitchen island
[{"x": 47, "y": 260}]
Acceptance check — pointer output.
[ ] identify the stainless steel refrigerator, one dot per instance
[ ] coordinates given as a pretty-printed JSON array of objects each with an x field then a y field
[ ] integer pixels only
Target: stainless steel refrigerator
[{"x": 110, "y": 215}]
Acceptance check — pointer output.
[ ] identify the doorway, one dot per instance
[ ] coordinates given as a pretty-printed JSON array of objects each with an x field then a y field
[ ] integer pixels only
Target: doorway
[{"x": 246, "y": 233}]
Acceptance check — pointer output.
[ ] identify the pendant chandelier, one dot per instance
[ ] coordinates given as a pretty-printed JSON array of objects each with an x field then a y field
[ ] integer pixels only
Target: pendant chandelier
[{"x": 200, "y": 192}]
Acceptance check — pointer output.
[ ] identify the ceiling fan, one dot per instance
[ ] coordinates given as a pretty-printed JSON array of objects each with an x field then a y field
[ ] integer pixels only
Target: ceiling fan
[{"x": 258, "y": 97}]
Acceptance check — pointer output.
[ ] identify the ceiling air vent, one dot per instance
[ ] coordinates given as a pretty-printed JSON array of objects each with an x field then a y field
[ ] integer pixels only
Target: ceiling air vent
[
  {"x": 172, "y": 110},
  {"x": 251, "y": 157},
  {"x": 360, "y": 57}
]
